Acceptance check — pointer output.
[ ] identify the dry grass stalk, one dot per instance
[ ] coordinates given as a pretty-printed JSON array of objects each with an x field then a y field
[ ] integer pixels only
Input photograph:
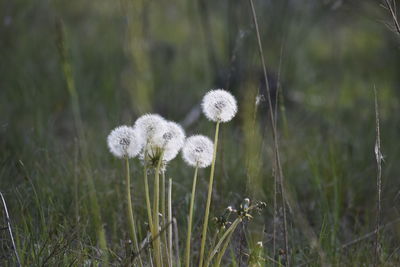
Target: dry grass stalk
[
  {"x": 279, "y": 174},
  {"x": 379, "y": 158}
]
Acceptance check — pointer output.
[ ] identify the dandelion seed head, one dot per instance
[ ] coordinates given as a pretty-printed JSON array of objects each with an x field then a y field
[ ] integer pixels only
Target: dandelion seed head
[
  {"x": 172, "y": 136},
  {"x": 171, "y": 141},
  {"x": 167, "y": 141},
  {"x": 124, "y": 141},
  {"x": 219, "y": 105},
  {"x": 149, "y": 125},
  {"x": 198, "y": 151}
]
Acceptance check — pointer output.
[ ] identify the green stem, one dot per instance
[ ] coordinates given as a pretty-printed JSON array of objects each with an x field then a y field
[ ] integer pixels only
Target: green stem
[
  {"x": 208, "y": 204},
  {"x": 146, "y": 188},
  {"x": 164, "y": 215},
  {"x": 129, "y": 211},
  {"x": 156, "y": 224},
  {"x": 227, "y": 234},
  {"x": 222, "y": 253},
  {"x": 170, "y": 222},
  {"x": 189, "y": 233}
]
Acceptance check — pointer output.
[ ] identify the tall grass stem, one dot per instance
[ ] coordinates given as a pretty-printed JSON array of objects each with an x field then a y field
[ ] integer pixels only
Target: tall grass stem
[
  {"x": 279, "y": 172},
  {"x": 379, "y": 157}
]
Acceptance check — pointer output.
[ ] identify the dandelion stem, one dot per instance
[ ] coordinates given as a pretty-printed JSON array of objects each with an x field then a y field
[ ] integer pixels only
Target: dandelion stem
[
  {"x": 208, "y": 204},
  {"x": 189, "y": 231},
  {"x": 170, "y": 221},
  {"x": 157, "y": 243},
  {"x": 146, "y": 188},
  {"x": 164, "y": 215},
  {"x": 129, "y": 210}
]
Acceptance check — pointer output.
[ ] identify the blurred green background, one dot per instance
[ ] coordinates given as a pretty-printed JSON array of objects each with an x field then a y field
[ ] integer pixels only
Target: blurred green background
[{"x": 131, "y": 57}]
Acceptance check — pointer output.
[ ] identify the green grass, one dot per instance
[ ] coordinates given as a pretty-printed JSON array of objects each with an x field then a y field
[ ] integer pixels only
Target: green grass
[{"x": 332, "y": 58}]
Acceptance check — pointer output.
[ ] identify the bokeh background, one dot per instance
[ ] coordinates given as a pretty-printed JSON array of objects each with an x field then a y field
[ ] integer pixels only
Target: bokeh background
[{"x": 126, "y": 58}]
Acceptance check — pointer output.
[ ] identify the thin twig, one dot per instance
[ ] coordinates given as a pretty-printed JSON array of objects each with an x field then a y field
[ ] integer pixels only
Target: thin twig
[
  {"x": 369, "y": 234},
  {"x": 275, "y": 182},
  {"x": 9, "y": 229},
  {"x": 286, "y": 199},
  {"x": 393, "y": 13},
  {"x": 379, "y": 157}
]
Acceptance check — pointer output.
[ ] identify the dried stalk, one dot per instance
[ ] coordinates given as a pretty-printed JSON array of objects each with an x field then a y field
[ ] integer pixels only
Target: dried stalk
[
  {"x": 379, "y": 158},
  {"x": 279, "y": 176},
  {"x": 9, "y": 229}
]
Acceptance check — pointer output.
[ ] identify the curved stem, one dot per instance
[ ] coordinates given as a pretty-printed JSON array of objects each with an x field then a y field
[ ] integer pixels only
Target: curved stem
[
  {"x": 226, "y": 235},
  {"x": 129, "y": 211},
  {"x": 189, "y": 233},
  {"x": 222, "y": 253},
  {"x": 208, "y": 204}
]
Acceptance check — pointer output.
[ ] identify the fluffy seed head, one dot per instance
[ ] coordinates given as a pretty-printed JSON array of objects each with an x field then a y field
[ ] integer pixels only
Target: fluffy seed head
[
  {"x": 219, "y": 105},
  {"x": 171, "y": 141},
  {"x": 123, "y": 141},
  {"x": 149, "y": 125},
  {"x": 198, "y": 151}
]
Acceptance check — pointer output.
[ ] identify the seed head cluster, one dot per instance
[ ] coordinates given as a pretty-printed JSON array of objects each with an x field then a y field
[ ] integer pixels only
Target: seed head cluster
[
  {"x": 157, "y": 141},
  {"x": 152, "y": 136}
]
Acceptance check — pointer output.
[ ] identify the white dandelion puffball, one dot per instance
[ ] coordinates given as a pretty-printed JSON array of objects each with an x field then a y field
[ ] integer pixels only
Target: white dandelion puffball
[
  {"x": 219, "y": 105},
  {"x": 198, "y": 151},
  {"x": 123, "y": 141},
  {"x": 149, "y": 125},
  {"x": 171, "y": 141}
]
